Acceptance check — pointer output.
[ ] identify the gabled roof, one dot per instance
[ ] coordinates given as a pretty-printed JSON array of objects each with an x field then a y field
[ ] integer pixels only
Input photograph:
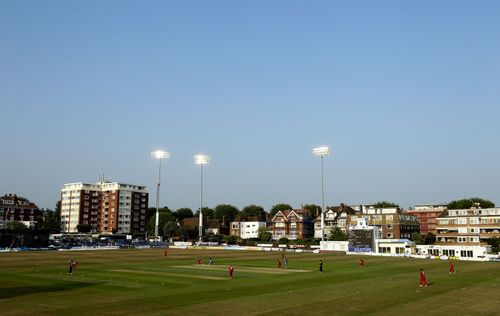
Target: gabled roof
[
  {"x": 287, "y": 213},
  {"x": 190, "y": 221},
  {"x": 212, "y": 223},
  {"x": 339, "y": 209},
  {"x": 16, "y": 201},
  {"x": 282, "y": 214}
]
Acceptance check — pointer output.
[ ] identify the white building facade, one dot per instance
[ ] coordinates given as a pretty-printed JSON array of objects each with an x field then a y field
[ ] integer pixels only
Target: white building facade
[
  {"x": 108, "y": 207},
  {"x": 247, "y": 230}
]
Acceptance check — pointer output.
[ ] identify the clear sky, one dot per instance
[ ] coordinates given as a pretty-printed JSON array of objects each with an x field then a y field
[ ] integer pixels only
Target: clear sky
[{"x": 406, "y": 94}]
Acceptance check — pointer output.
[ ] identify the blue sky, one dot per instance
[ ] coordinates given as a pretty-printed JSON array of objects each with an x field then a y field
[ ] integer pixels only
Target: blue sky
[{"x": 406, "y": 94}]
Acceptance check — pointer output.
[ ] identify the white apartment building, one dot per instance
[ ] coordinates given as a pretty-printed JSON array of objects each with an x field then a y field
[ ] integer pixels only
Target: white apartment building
[
  {"x": 246, "y": 230},
  {"x": 108, "y": 207}
]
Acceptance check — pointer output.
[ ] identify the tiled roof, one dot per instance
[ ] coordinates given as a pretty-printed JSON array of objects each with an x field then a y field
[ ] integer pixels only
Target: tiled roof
[
  {"x": 18, "y": 201},
  {"x": 190, "y": 221}
]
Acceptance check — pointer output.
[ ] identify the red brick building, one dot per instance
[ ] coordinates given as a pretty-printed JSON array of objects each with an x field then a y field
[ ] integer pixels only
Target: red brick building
[
  {"x": 292, "y": 224},
  {"x": 427, "y": 216},
  {"x": 16, "y": 208},
  {"x": 393, "y": 223}
]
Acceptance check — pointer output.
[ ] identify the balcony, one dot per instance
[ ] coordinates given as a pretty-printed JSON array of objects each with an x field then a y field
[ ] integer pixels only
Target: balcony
[
  {"x": 455, "y": 243},
  {"x": 450, "y": 224},
  {"x": 451, "y": 234},
  {"x": 489, "y": 235}
]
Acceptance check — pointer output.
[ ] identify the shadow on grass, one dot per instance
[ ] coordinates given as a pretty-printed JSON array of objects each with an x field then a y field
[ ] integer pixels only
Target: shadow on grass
[{"x": 12, "y": 292}]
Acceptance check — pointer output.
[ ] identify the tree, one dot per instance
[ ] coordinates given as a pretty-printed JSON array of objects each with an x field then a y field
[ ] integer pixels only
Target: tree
[
  {"x": 50, "y": 221},
  {"x": 494, "y": 242},
  {"x": 421, "y": 239},
  {"x": 166, "y": 215},
  {"x": 265, "y": 234},
  {"x": 15, "y": 225},
  {"x": 253, "y": 211},
  {"x": 385, "y": 204},
  {"x": 183, "y": 213},
  {"x": 336, "y": 234},
  {"x": 189, "y": 233},
  {"x": 225, "y": 212},
  {"x": 469, "y": 203},
  {"x": 429, "y": 239},
  {"x": 84, "y": 228},
  {"x": 314, "y": 210},
  {"x": 230, "y": 240},
  {"x": 207, "y": 212},
  {"x": 417, "y": 238},
  {"x": 280, "y": 207},
  {"x": 171, "y": 229},
  {"x": 152, "y": 211},
  {"x": 283, "y": 240}
]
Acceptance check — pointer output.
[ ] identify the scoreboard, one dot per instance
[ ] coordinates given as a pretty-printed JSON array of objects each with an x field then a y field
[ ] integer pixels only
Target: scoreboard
[{"x": 361, "y": 240}]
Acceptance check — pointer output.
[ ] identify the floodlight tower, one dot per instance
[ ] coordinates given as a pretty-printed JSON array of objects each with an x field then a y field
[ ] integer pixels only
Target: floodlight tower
[
  {"x": 201, "y": 160},
  {"x": 158, "y": 154},
  {"x": 322, "y": 152}
]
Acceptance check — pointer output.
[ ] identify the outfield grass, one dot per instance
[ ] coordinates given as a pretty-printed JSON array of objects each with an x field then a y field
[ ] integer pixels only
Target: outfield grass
[{"x": 130, "y": 282}]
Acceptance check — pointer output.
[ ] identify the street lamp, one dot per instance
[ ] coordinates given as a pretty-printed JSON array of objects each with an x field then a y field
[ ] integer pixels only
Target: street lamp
[
  {"x": 158, "y": 154},
  {"x": 201, "y": 160},
  {"x": 322, "y": 152}
]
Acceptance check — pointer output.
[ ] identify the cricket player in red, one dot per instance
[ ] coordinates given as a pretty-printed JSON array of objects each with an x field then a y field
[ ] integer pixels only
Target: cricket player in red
[
  {"x": 165, "y": 253},
  {"x": 279, "y": 263},
  {"x": 231, "y": 271},
  {"x": 452, "y": 267},
  {"x": 361, "y": 262},
  {"x": 423, "y": 280}
]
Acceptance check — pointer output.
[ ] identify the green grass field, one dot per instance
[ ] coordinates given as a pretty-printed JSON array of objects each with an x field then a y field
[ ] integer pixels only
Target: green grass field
[{"x": 131, "y": 282}]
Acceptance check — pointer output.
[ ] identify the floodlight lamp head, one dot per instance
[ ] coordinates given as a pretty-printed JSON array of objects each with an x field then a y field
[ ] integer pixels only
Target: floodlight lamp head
[
  {"x": 321, "y": 151},
  {"x": 201, "y": 159},
  {"x": 160, "y": 154}
]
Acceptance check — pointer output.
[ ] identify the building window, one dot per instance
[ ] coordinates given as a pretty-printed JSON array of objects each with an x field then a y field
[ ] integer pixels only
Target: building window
[
  {"x": 385, "y": 250},
  {"x": 466, "y": 253}
]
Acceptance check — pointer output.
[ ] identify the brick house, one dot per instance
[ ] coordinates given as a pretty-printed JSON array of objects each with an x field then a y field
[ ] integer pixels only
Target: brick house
[
  {"x": 292, "y": 224},
  {"x": 16, "y": 208}
]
